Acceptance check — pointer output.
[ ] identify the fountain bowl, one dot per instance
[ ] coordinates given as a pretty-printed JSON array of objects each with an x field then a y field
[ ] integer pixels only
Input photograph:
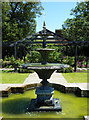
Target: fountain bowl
[
  {"x": 44, "y": 54},
  {"x": 44, "y": 71}
]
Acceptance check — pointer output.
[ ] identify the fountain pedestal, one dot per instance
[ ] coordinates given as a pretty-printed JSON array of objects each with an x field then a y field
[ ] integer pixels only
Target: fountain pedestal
[
  {"x": 44, "y": 94},
  {"x": 45, "y": 100}
]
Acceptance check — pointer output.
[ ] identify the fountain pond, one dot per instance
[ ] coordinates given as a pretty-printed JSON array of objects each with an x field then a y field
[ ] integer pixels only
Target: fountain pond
[
  {"x": 15, "y": 106},
  {"x": 46, "y": 97}
]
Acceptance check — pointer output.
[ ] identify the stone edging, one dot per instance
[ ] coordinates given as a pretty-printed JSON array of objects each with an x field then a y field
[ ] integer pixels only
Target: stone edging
[{"x": 60, "y": 87}]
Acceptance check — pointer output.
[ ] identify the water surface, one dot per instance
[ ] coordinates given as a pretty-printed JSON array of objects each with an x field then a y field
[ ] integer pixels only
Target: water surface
[{"x": 15, "y": 106}]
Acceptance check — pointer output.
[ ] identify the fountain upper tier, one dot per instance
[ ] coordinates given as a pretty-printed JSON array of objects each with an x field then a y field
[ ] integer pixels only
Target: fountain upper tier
[
  {"x": 44, "y": 69},
  {"x": 44, "y": 54}
]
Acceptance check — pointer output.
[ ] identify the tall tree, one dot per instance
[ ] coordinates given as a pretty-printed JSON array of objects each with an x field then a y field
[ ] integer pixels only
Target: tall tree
[
  {"x": 19, "y": 19},
  {"x": 77, "y": 28}
]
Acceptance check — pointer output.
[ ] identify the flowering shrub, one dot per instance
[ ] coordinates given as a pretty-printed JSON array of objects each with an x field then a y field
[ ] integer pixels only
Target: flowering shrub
[
  {"x": 83, "y": 62},
  {"x": 10, "y": 62},
  {"x": 68, "y": 60}
]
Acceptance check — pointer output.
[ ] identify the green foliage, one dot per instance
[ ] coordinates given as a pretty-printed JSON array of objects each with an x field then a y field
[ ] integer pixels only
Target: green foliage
[
  {"x": 18, "y": 22},
  {"x": 10, "y": 62},
  {"x": 77, "y": 28},
  {"x": 69, "y": 70},
  {"x": 19, "y": 19},
  {"x": 68, "y": 60},
  {"x": 66, "y": 70},
  {"x": 83, "y": 62},
  {"x": 7, "y": 71},
  {"x": 56, "y": 55},
  {"x": 21, "y": 70},
  {"x": 6, "y": 64},
  {"x": 33, "y": 57}
]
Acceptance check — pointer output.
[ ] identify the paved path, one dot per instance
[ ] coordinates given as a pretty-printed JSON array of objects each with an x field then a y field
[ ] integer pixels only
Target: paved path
[
  {"x": 6, "y": 86},
  {"x": 32, "y": 78}
]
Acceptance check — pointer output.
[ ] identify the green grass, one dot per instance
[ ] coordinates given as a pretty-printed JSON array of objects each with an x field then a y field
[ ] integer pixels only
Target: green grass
[
  {"x": 15, "y": 106},
  {"x": 76, "y": 77},
  {"x": 13, "y": 78}
]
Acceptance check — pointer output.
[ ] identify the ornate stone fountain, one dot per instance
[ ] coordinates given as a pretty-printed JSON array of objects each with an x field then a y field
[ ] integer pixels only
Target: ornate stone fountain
[{"x": 44, "y": 100}]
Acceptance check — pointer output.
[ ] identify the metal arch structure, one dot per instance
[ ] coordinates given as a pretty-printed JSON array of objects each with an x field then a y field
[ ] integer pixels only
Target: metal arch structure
[{"x": 45, "y": 37}]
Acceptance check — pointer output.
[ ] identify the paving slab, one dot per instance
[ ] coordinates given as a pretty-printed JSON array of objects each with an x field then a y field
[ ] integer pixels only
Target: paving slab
[
  {"x": 57, "y": 78},
  {"x": 6, "y": 86},
  {"x": 3, "y": 87},
  {"x": 84, "y": 86},
  {"x": 32, "y": 78}
]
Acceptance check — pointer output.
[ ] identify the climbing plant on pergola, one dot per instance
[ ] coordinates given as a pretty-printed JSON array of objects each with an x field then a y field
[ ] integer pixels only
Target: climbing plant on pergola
[{"x": 46, "y": 37}]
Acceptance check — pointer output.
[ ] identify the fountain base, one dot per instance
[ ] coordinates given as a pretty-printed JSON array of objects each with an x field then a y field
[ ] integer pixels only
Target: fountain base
[{"x": 54, "y": 106}]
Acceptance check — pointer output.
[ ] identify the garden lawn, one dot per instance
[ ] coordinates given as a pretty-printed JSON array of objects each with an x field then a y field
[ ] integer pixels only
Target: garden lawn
[
  {"x": 76, "y": 77},
  {"x": 13, "y": 78}
]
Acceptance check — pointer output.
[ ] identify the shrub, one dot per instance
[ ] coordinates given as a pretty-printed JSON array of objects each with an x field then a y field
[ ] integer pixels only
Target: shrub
[
  {"x": 33, "y": 57},
  {"x": 7, "y": 71},
  {"x": 62, "y": 70},
  {"x": 68, "y": 70},
  {"x": 10, "y": 62},
  {"x": 83, "y": 62},
  {"x": 70, "y": 61},
  {"x": 21, "y": 70},
  {"x": 6, "y": 64},
  {"x": 1, "y": 61},
  {"x": 65, "y": 70}
]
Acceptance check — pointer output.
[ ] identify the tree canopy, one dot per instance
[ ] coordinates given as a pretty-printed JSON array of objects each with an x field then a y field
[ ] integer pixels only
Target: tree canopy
[
  {"x": 77, "y": 28},
  {"x": 19, "y": 19}
]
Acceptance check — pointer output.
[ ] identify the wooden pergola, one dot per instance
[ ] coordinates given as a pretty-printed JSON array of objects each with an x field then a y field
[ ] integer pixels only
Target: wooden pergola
[{"x": 46, "y": 37}]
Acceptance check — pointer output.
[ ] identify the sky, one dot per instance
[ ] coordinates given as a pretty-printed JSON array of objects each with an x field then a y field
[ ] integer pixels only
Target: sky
[{"x": 54, "y": 14}]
